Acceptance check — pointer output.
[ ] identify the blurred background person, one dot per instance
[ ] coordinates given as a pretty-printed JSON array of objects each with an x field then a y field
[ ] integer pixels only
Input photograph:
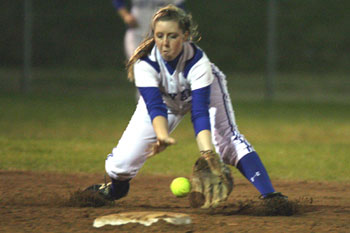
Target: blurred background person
[{"x": 137, "y": 19}]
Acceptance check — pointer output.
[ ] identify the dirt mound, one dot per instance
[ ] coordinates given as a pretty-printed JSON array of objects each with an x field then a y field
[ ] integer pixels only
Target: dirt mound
[
  {"x": 50, "y": 202},
  {"x": 81, "y": 198}
]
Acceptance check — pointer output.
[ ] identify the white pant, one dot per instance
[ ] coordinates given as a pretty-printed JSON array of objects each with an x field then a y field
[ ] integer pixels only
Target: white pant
[
  {"x": 130, "y": 154},
  {"x": 132, "y": 39}
]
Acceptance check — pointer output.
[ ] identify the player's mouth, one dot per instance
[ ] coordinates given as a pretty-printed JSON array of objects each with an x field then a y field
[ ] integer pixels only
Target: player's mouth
[{"x": 166, "y": 54}]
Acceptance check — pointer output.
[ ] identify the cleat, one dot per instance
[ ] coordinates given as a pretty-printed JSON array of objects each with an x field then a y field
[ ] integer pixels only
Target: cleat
[
  {"x": 111, "y": 191},
  {"x": 274, "y": 195},
  {"x": 105, "y": 190}
]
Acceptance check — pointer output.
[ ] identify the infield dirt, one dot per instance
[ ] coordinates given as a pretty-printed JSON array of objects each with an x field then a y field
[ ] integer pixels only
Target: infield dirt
[{"x": 37, "y": 202}]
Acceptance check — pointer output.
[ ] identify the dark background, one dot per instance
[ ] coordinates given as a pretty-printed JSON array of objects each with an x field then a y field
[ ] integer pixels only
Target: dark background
[{"x": 312, "y": 36}]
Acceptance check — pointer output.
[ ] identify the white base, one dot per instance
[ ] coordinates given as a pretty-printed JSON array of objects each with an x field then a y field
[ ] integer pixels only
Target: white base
[{"x": 145, "y": 218}]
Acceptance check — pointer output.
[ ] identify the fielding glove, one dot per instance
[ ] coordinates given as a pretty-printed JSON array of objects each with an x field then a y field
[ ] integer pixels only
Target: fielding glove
[{"x": 211, "y": 181}]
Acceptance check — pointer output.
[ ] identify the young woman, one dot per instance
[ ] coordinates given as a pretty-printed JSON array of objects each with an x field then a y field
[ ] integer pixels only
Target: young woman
[
  {"x": 174, "y": 77},
  {"x": 137, "y": 21}
]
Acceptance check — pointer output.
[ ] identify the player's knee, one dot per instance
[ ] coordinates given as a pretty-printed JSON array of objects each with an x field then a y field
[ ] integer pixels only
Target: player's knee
[
  {"x": 120, "y": 170},
  {"x": 228, "y": 154},
  {"x": 118, "y": 173}
]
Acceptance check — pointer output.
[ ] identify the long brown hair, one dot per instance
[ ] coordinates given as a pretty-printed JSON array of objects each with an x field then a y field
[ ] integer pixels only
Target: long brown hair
[{"x": 167, "y": 13}]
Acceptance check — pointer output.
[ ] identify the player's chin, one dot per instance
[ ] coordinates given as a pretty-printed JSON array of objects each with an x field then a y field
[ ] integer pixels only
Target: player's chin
[{"x": 167, "y": 56}]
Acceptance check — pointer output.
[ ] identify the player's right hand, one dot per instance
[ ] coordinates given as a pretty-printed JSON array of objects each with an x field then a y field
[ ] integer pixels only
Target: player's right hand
[{"x": 160, "y": 145}]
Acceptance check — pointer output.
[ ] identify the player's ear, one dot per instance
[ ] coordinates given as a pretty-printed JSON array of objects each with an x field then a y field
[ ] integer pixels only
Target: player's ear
[{"x": 186, "y": 36}]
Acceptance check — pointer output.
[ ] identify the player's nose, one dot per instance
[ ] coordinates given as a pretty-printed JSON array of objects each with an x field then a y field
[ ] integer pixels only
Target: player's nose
[{"x": 166, "y": 42}]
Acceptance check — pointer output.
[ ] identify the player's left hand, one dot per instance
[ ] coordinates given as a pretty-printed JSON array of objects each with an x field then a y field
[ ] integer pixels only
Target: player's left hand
[
  {"x": 211, "y": 181},
  {"x": 160, "y": 145}
]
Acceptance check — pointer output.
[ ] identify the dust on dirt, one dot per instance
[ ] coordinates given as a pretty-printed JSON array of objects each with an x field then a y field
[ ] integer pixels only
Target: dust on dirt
[{"x": 46, "y": 202}]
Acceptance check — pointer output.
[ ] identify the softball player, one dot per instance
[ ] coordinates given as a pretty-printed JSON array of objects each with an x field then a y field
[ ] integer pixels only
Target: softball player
[{"x": 174, "y": 77}]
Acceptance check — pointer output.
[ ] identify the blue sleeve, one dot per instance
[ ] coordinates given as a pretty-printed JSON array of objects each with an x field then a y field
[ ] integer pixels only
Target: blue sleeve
[
  {"x": 154, "y": 102},
  {"x": 118, "y": 3},
  {"x": 200, "y": 109}
]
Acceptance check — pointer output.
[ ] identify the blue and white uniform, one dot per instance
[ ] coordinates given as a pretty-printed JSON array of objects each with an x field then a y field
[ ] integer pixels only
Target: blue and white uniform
[
  {"x": 189, "y": 83},
  {"x": 143, "y": 11}
]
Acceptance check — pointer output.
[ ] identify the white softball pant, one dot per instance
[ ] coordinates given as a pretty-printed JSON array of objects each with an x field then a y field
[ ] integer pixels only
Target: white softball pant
[
  {"x": 132, "y": 39},
  {"x": 130, "y": 154}
]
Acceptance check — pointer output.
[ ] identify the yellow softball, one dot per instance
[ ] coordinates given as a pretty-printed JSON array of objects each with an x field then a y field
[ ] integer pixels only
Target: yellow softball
[{"x": 180, "y": 186}]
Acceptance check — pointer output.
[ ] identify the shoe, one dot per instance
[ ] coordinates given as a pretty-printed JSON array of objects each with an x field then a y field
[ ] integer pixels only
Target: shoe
[
  {"x": 274, "y": 195},
  {"x": 277, "y": 204},
  {"x": 111, "y": 191},
  {"x": 105, "y": 190}
]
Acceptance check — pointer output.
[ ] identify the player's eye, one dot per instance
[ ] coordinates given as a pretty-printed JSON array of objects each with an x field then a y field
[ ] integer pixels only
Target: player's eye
[
  {"x": 159, "y": 35},
  {"x": 174, "y": 36}
]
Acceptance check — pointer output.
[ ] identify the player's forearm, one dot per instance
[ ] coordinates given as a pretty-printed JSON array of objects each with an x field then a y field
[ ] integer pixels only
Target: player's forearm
[
  {"x": 160, "y": 126},
  {"x": 204, "y": 140}
]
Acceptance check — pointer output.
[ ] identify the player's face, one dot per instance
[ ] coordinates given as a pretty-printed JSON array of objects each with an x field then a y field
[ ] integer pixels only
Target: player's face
[{"x": 169, "y": 39}]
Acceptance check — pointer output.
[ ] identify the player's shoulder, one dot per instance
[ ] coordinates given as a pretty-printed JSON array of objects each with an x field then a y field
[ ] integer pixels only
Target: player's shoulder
[
  {"x": 195, "y": 56},
  {"x": 148, "y": 62}
]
